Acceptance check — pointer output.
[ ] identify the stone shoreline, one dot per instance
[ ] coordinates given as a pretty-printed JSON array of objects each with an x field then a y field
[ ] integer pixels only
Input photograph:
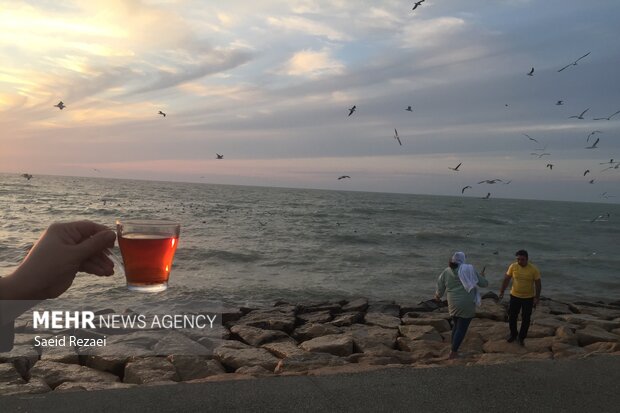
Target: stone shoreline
[{"x": 311, "y": 339}]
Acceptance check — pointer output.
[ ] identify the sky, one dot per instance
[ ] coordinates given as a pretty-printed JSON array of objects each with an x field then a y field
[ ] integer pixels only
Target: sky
[{"x": 269, "y": 84}]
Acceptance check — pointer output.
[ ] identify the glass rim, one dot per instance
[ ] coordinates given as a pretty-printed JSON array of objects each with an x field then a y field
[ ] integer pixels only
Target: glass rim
[{"x": 148, "y": 222}]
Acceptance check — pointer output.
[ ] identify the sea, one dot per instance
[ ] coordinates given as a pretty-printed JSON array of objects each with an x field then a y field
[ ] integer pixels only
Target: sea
[{"x": 249, "y": 246}]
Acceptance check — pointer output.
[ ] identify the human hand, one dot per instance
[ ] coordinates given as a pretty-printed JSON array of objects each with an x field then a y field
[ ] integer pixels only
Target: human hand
[
  {"x": 501, "y": 295},
  {"x": 536, "y": 300},
  {"x": 51, "y": 265}
]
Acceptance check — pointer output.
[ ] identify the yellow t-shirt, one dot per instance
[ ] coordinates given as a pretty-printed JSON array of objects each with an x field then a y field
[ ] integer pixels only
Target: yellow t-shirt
[{"x": 523, "y": 280}]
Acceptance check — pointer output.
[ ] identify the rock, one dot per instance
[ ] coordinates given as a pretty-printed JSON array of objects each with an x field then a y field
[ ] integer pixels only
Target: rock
[
  {"x": 307, "y": 361},
  {"x": 600, "y": 312},
  {"x": 336, "y": 344},
  {"x": 257, "y": 336},
  {"x": 566, "y": 351},
  {"x": 278, "y": 318},
  {"x": 593, "y": 334},
  {"x": 590, "y": 320},
  {"x": 489, "y": 330},
  {"x": 382, "y": 356},
  {"x": 325, "y": 306},
  {"x": 416, "y": 332},
  {"x": 440, "y": 324},
  {"x": 491, "y": 310},
  {"x": 174, "y": 342},
  {"x": 195, "y": 367},
  {"x": 382, "y": 320},
  {"x": 310, "y": 331},
  {"x": 553, "y": 322},
  {"x": 315, "y": 317},
  {"x": 23, "y": 358},
  {"x": 369, "y": 337},
  {"x": 230, "y": 315},
  {"x": 616, "y": 331},
  {"x": 61, "y": 354},
  {"x": 473, "y": 343},
  {"x": 254, "y": 371},
  {"x": 603, "y": 347},
  {"x": 556, "y": 307},
  {"x": 384, "y": 307},
  {"x": 347, "y": 319},
  {"x": 283, "y": 349},
  {"x": 70, "y": 386},
  {"x": 54, "y": 373},
  {"x": 234, "y": 357},
  {"x": 357, "y": 305},
  {"x": 540, "y": 331},
  {"x": 566, "y": 335},
  {"x": 8, "y": 374},
  {"x": 502, "y": 346},
  {"x": 149, "y": 370},
  {"x": 539, "y": 345},
  {"x": 34, "y": 386},
  {"x": 423, "y": 349},
  {"x": 423, "y": 307}
]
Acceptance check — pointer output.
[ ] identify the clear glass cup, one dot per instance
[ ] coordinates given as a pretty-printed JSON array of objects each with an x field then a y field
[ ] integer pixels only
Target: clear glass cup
[{"x": 148, "y": 248}]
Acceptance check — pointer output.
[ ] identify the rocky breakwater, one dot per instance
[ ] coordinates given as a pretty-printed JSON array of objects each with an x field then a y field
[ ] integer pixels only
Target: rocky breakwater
[{"x": 320, "y": 338}]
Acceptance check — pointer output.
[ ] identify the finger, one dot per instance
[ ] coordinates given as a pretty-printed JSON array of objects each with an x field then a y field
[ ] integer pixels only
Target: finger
[
  {"x": 92, "y": 268},
  {"x": 96, "y": 244}
]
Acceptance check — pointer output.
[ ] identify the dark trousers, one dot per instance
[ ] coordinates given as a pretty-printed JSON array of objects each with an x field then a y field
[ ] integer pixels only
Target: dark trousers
[
  {"x": 523, "y": 305},
  {"x": 459, "y": 329}
]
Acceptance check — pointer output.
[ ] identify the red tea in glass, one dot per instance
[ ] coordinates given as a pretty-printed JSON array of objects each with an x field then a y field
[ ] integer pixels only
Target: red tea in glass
[{"x": 148, "y": 248}]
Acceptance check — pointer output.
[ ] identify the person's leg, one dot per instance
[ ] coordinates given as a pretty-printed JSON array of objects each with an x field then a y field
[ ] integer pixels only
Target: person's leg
[
  {"x": 526, "y": 314},
  {"x": 459, "y": 334},
  {"x": 454, "y": 324},
  {"x": 513, "y": 315}
]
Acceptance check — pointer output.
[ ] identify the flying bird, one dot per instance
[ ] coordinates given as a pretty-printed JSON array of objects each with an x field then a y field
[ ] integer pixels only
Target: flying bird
[
  {"x": 60, "y": 105},
  {"x": 591, "y": 181},
  {"x": 593, "y": 133},
  {"x": 490, "y": 181},
  {"x": 604, "y": 195},
  {"x": 161, "y": 113},
  {"x": 417, "y": 4},
  {"x": 579, "y": 116},
  {"x": 27, "y": 176},
  {"x": 457, "y": 167},
  {"x": 612, "y": 167},
  {"x": 218, "y": 156},
  {"x": 531, "y": 72},
  {"x": 344, "y": 176},
  {"x": 559, "y": 103},
  {"x": 593, "y": 146},
  {"x": 507, "y": 182},
  {"x": 574, "y": 63},
  {"x": 397, "y": 137},
  {"x": 530, "y": 138},
  {"x": 600, "y": 217},
  {"x": 607, "y": 118},
  {"x": 409, "y": 109},
  {"x": 464, "y": 188},
  {"x": 550, "y": 166},
  {"x": 351, "y": 110},
  {"x": 540, "y": 155},
  {"x": 605, "y": 163},
  {"x": 587, "y": 171},
  {"x": 488, "y": 196}
]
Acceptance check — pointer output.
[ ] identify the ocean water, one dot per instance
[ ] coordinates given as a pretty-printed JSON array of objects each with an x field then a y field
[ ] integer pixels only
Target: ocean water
[{"x": 253, "y": 245}]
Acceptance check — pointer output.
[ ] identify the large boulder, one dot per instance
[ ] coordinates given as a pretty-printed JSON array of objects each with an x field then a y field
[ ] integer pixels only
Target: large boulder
[
  {"x": 234, "y": 355},
  {"x": 491, "y": 310},
  {"x": 34, "y": 386},
  {"x": 369, "y": 337},
  {"x": 257, "y": 336},
  {"x": 276, "y": 318},
  {"x": 382, "y": 320},
  {"x": 416, "y": 332},
  {"x": 347, "y": 319},
  {"x": 54, "y": 373},
  {"x": 283, "y": 349},
  {"x": 502, "y": 346},
  {"x": 590, "y": 320},
  {"x": 357, "y": 305},
  {"x": 423, "y": 349},
  {"x": 310, "y": 331},
  {"x": 593, "y": 334},
  {"x": 440, "y": 324},
  {"x": 195, "y": 367},
  {"x": 336, "y": 344},
  {"x": 315, "y": 317}
]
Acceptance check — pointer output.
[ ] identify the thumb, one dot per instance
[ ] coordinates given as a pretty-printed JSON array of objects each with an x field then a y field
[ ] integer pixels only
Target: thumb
[{"x": 95, "y": 244}]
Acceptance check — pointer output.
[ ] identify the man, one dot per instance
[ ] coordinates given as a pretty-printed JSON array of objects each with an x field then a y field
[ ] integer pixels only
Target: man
[{"x": 524, "y": 294}]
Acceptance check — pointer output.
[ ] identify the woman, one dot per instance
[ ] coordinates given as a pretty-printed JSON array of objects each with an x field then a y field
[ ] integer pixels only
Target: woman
[{"x": 461, "y": 282}]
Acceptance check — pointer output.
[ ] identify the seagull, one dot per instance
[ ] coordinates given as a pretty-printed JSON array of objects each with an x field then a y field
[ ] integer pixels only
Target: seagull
[
  {"x": 456, "y": 168},
  {"x": 490, "y": 181},
  {"x": 397, "y": 137},
  {"x": 530, "y": 138},
  {"x": 418, "y": 3},
  {"x": 587, "y": 171},
  {"x": 540, "y": 155},
  {"x": 593, "y": 133},
  {"x": 507, "y": 182},
  {"x": 218, "y": 156},
  {"x": 344, "y": 176},
  {"x": 351, "y": 110},
  {"x": 27, "y": 176},
  {"x": 409, "y": 109},
  {"x": 605, "y": 163},
  {"x": 579, "y": 116},
  {"x": 600, "y": 217},
  {"x": 559, "y": 103},
  {"x": 464, "y": 188},
  {"x": 574, "y": 63},
  {"x": 550, "y": 166},
  {"x": 612, "y": 167},
  {"x": 591, "y": 181},
  {"x": 607, "y": 118},
  {"x": 96, "y": 170},
  {"x": 161, "y": 113},
  {"x": 593, "y": 146},
  {"x": 604, "y": 195},
  {"x": 60, "y": 105},
  {"x": 488, "y": 196},
  {"x": 531, "y": 73}
]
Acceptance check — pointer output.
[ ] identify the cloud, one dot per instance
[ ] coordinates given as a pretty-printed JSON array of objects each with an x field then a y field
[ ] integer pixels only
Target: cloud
[
  {"x": 312, "y": 64},
  {"x": 307, "y": 26}
]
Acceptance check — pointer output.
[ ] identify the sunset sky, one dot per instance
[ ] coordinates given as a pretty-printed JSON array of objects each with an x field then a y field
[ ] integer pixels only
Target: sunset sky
[{"x": 268, "y": 84}]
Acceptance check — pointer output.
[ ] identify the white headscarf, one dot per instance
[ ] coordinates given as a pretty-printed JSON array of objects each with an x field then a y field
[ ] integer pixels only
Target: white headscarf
[{"x": 467, "y": 275}]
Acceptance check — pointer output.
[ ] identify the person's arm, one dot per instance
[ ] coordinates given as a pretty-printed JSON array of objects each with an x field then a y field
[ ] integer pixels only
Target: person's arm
[
  {"x": 482, "y": 281},
  {"x": 441, "y": 286},
  {"x": 538, "y": 285},
  {"x": 505, "y": 283}
]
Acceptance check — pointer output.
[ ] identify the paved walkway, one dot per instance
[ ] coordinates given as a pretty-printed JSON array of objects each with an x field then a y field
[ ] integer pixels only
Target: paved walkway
[{"x": 567, "y": 386}]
